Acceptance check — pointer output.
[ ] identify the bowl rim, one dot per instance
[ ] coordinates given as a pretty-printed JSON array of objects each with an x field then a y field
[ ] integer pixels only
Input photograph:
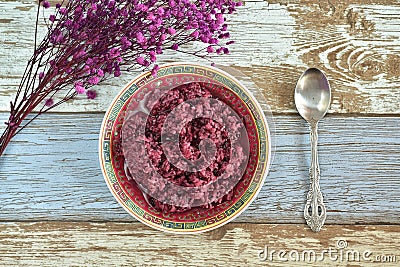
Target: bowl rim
[{"x": 185, "y": 231}]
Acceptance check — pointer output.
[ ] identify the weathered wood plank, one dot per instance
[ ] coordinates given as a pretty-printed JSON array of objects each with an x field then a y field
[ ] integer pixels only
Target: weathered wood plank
[
  {"x": 132, "y": 244},
  {"x": 51, "y": 172},
  {"x": 355, "y": 42}
]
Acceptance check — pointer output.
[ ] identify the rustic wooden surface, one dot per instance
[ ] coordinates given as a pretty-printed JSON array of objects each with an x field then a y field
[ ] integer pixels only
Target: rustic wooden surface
[
  {"x": 132, "y": 244},
  {"x": 357, "y": 44},
  {"x": 359, "y": 158},
  {"x": 55, "y": 208}
]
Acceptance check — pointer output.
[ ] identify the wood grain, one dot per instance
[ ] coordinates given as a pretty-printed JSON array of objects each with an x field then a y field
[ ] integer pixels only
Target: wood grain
[
  {"x": 132, "y": 244},
  {"x": 355, "y": 42},
  {"x": 51, "y": 172}
]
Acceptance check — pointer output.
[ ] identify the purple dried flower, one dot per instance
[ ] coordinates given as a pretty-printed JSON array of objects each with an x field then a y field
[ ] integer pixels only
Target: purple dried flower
[
  {"x": 90, "y": 41},
  {"x": 153, "y": 57},
  {"x": 171, "y": 3},
  {"x": 117, "y": 73},
  {"x": 49, "y": 102},
  {"x": 175, "y": 46},
  {"x": 94, "y": 80},
  {"x": 213, "y": 41},
  {"x": 100, "y": 72},
  {"x": 171, "y": 31},
  {"x": 160, "y": 11},
  {"x": 79, "y": 88},
  {"x": 195, "y": 34},
  {"x": 91, "y": 94},
  {"x": 151, "y": 16},
  {"x": 220, "y": 18},
  {"x": 46, "y": 4},
  {"x": 154, "y": 70},
  {"x": 140, "y": 38},
  {"x": 140, "y": 60},
  {"x": 125, "y": 43}
]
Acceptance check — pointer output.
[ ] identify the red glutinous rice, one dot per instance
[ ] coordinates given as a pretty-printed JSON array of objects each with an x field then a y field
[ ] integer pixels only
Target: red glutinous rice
[{"x": 190, "y": 143}]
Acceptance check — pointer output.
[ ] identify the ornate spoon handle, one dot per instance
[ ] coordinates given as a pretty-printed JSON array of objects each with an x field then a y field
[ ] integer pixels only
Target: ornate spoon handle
[{"x": 314, "y": 212}]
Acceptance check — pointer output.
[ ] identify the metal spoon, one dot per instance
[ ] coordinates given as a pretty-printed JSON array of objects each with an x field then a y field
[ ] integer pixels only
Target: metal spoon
[{"x": 312, "y": 97}]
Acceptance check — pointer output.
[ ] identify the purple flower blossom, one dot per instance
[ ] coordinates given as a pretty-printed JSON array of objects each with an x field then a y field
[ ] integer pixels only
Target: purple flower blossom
[
  {"x": 171, "y": 3},
  {"x": 125, "y": 43},
  {"x": 175, "y": 46},
  {"x": 100, "y": 72},
  {"x": 220, "y": 18},
  {"x": 153, "y": 57},
  {"x": 213, "y": 41},
  {"x": 79, "y": 54},
  {"x": 79, "y": 88},
  {"x": 160, "y": 11},
  {"x": 140, "y": 60},
  {"x": 91, "y": 94},
  {"x": 171, "y": 31},
  {"x": 114, "y": 52},
  {"x": 195, "y": 34},
  {"x": 140, "y": 38},
  {"x": 117, "y": 73},
  {"x": 46, "y": 4},
  {"x": 151, "y": 16},
  {"x": 94, "y": 80},
  {"x": 41, "y": 75},
  {"x": 210, "y": 49},
  {"x": 49, "y": 102},
  {"x": 154, "y": 70}
]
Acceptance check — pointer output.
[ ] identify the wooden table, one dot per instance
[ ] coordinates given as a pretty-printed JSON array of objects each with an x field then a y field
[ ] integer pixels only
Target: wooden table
[{"x": 55, "y": 208}]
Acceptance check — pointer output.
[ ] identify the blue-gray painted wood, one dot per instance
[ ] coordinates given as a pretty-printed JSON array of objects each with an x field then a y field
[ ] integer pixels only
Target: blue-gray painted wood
[{"x": 51, "y": 172}]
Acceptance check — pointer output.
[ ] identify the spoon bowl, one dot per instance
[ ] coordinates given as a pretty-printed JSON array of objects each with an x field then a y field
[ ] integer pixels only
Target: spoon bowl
[{"x": 312, "y": 95}]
